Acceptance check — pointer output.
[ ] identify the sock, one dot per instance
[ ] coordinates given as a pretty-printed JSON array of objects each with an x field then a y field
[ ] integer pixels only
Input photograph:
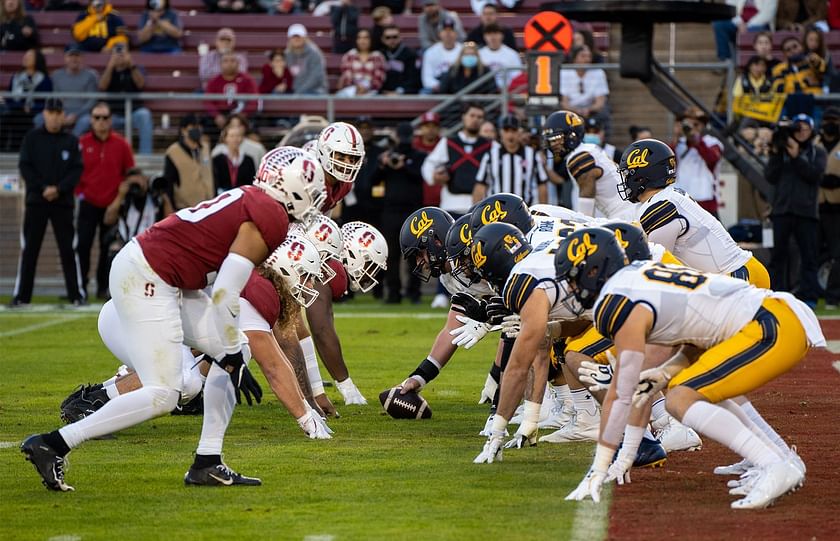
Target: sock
[
  {"x": 648, "y": 434},
  {"x": 315, "y": 381},
  {"x": 630, "y": 443},
  {"x": 110, "y": 381},
  {"x": 584, "y": 401},
  {"x": 203, "y": 461},
  {"x": 495, "y": 372},
  {"x": 725, "y": 428},
  {"x": 658, "y": 409},
  {"x": 562, "y": 392},
  {"x": 54, "y": 440},
  {"x": 765, "y": 427},
  {"x": 110, "y": 387},
  {"x": 219, "y": 400},
  {"x": 732, "y": 407}
]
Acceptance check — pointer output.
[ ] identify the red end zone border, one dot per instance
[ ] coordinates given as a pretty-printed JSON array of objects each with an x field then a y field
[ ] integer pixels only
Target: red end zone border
[{"x": 686, "y": 501}]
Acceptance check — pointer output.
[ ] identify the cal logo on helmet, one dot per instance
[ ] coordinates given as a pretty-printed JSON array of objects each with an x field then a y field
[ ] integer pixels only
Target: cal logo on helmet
[
  {"x": 478, "y": 258},
  {"x": 621, "y": 242},
  {"x": 465, "y": 234},
  {"x": 580, "y": 248},
  {"x": 573, "y": 119},
  {"x": 490, "y": 214},
  {"x": 637, "y": 158},
  {"x": 420, "y": 225}
]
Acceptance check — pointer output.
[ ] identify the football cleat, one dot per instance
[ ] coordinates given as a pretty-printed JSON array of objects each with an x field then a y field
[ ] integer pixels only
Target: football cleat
[
  {"x": 651, "y": 454},
  {"x": 775, "y": 481},
  {"x": 744, "y": 484},
  {"x": 559, "y": 415},
  {"x": 796, "y": 459},
  {"x": 734, "y": 469},
  {"x": 195, "y": 406},
  {"x": 583, "y": 426},
  {"x": 218, "y": 475},
  {"x": 675, "y": 436},
  {"x": 83, "y": 402},
  {"x": 48, "y": 463}
]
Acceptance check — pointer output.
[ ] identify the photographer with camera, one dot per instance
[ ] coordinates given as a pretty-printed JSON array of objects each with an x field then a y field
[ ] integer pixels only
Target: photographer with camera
[
  {"x": 698, "y": 159},
  {"x": 106, "y": 157},
  {"x": 160, "y": 28},
  {"x": 796, "y": 169}
]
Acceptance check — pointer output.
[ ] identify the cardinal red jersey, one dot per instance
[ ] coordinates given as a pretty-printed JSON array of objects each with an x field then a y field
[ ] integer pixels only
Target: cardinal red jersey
[
  {"x": 338, "y": 285},
  {"x": 260, "y": 292},
  {"x": 188, "y": 247},
  {"x": 336, "y": 193}
]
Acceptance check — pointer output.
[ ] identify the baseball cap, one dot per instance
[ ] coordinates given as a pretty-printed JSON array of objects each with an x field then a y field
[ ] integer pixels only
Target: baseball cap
[
  {"x": 802, "y": 117},
  {"x": 593, "y": 123},
  {"x": 72, "y": 48},
  {"x": 430, "y": 118},
  {"x": 296, "y": 29},
  {"x": 225, "y": 33},
  {"x": 510, "y": 122},
  {"x": 448, "y": 22},
  {"x": 53, "y": 104}
]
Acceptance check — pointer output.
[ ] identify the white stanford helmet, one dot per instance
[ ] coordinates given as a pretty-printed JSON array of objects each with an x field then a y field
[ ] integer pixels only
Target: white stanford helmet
[
  {"x": 295, "y": 179},
  {"x": 341, "y": 138},
  {"x": 326, "y": 236},
  {"x": 364, "y": 254},
  {"x": 297, "y": 260},
  {"x": 311, "y": 147}
]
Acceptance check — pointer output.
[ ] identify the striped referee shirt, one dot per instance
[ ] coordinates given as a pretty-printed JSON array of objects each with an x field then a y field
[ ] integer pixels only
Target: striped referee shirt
[{"x": 518, "y": 172}]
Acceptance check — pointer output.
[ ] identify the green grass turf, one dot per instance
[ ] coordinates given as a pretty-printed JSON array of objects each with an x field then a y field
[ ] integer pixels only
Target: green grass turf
[{"x": 377, "y": 478}]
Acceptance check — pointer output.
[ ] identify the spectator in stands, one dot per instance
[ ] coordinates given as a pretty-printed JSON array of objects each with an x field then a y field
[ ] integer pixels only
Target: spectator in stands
[
  {"x": 814, "y": 41},
  {"x": 231, "y": 6},
  {"x": 368, "y": 188},
  {"x": 382, "y": 18},
  {"x": 763, "y": 47},
  {"x": 345, "y": 23},
  {"x": 488, "y": 131},
  {"x": 698, "y": 159},
  {"x": 829, "y": 200},
  {"x": 18, "y": 31},
  {"x": 639, "y": 132},
  {"x": 432, "y": 21},
  {"x": 796, "y": 170},
  {"x": 75, "y": 77},
  {"x": 362, "y": 69},
  {"x": 438, "y": 58},
  {"x": 425, "y": 142},
  {"x": 594, "y": 134},
  {"x": 21, "y": 108},
  {"x": 753, "y": 80},
  {"x": 495, "y": 55},
  {"x": 467, "y": 70},
  {"x": 99, "y": 27},
  {"x": 50, "y": 165},
  {"x": 232, "y": 167},
  {"x": 796, "y": 15},
  {"x": 394, "y": 6},
  {"x": 123, "y": 76},
  {"x": 106, "y": 158},
  {"x": 490, "y": 16},
  {"x": 584, "y": 36},
  {"x": 186, "y": 166},
  {"x": 402, "y": 73},
  {"x": 137, "y": 206},
  {"x": 231, "y": 82},
  {"x": 250, "y": 145},
  {"x": 726, "y": 31},
  {"x": 306, "y": 62},
  {"x": 160, "y": 29},
  {"x": 276, "y": 77},
  {"x": 800, "y": 76},
  {"x": 585, "y": 91},
  {"x": 210, "y": 64}
]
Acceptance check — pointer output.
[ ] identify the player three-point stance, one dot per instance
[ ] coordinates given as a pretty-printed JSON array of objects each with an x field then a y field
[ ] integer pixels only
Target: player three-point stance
[{"x": 169, "y": 265}]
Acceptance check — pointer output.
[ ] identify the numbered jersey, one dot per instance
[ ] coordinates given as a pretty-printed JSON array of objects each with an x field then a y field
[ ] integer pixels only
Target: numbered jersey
[
  {"x": 588, "y": 157},
  {"x": 546, "y": 230},
  {"x": 702, "y": 242},
  {"x": 689, "y": 307},
  {"x": 187, "y": 248}
]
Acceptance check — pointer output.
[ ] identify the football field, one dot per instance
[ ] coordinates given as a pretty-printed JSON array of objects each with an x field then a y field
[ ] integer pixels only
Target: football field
[{"x": 377, "y": 478}]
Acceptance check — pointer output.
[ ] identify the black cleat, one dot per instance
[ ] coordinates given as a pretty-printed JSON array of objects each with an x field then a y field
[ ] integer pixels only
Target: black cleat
[
  {"x": 193, "y": 407},
  {"x": 48, "y": 463},
  {"x": 218, "y": 475},
  {"x": 84, "y": 401}
]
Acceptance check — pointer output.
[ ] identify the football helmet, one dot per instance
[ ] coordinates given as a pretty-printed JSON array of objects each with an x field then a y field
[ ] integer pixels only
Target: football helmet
[
  {"x": 297, "y": 260},
  {"x": 563, "y": 132},
  {"x": 632, "y": 240},
  {"x": 502, "y": 207},
  {"x": 364, "y": 253},
  {"x": 341, "y": 151},
  {"x": 295, "y": 179},
  {"x": 495, "y": 249},
  {"x": 425, "y": 231},
  {"x": 326, "y": 236},
  {"x": 586, "y": 259},
  {"x": 458, "y": 243},
  {"x": 645, "y": 164},
  {"x": 311, "y": 147}
]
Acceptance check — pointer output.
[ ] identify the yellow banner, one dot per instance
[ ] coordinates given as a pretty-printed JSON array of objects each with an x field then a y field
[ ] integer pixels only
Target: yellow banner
[{"x": 765, "y": 108}]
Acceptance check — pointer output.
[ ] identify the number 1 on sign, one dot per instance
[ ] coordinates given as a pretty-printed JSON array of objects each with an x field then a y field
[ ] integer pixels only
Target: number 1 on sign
[{"x": 543, "y": 86}]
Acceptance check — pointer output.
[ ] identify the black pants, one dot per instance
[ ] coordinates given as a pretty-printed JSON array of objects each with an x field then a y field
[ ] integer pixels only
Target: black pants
[
  {"x": 805, "y": 231},
  {"x": 89, "y": 218},
  {"x": 35, "y": 220},
  {"x": 392, "y": 221},
  {"x": 830, "y": 228}
]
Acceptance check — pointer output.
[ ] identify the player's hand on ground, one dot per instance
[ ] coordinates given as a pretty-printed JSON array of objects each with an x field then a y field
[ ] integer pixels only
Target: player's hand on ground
[
  {"x": 314, "y": 426},
  {"x": 350, "y": 393},
  {"x": 470, "y": 333},
  {"x": 326, "y": 405},
  {"x": 620, "y": 470},
  {"x": 496, "y": 310},
  {"x": 526, "y": 433},
  {"x": 589, "y": 487},
  {"x": 651, "y": 381},
  {"x": 597, "y": 377},
  {"x": 240, "y": 376},
  {"x": 473, "y": 308},
  {"x": 511, "y": 324},
  {"x": 410, "y": 385},
  {"x": 492, "y": 450}
]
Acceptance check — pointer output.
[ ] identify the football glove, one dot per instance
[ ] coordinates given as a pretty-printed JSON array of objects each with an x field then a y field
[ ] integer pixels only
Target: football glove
[
  {"x": 651, "y": 381},
  {"x": 527, "y": 432},
  {"x": 597, "y": 377},
  {"x": 314, "y": 426},
  {"x": 489, "y": 390},
  {"x": 240, "y": 376},
  {"x": 492, "y": 450},
  {"x": 620, "y": 470},
  {"x": 511, "y": 324},
  {"x": 350, "y": 393},
  {"x": 590, "y": 486},
  {"x": 496, "y": 310},
  {"x": 488, "y": 427},
  {"x": 475, "y": 309},
  {"x": 470, "y": 333}
]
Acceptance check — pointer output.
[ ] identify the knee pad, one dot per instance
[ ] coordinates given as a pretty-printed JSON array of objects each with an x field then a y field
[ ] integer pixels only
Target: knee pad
[{"x": 164, "y": 399}]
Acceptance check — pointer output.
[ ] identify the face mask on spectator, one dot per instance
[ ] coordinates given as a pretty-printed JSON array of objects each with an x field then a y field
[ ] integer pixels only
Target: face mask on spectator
[
  {"x": 831, "y": 129},
  {"x": 194, "y": 134},
  {"x": 592, "y": 138},
  {"x": 469, "y": 60}
]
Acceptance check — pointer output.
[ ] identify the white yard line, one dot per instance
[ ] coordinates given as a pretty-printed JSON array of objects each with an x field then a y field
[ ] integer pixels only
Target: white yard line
[
  {"x": 37, "y": 326},
  {"x": 591, "y": 519},
  {"x": 392, "y": 315},
  {"x": 833, "y": 346},
  {"x": 8, "y": 444}
]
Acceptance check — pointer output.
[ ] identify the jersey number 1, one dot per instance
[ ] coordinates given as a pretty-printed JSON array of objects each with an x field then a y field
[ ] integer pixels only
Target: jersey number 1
[{"x": 206, "y": 208}]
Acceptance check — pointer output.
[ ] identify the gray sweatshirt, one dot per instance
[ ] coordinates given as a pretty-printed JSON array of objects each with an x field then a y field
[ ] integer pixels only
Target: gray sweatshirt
[
  {"x": 84, "y": 81},
  {"x": 308, "y": 69}
]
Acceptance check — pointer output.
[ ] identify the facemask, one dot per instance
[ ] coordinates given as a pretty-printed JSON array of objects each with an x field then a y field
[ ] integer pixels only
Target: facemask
[
  {"x": 469, "y": 61},
  {"x": 194, "y": 134},
  {"x": 592, "y": 138}
]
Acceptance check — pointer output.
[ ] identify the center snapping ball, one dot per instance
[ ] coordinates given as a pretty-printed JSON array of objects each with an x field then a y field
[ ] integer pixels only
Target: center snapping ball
[{"x": 404, "y": 406}]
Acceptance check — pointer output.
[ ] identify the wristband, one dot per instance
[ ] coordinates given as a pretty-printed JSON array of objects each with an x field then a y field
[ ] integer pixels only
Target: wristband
[
  {"x": 499, "y": 426},
  {"x": 426, "y": 371}
]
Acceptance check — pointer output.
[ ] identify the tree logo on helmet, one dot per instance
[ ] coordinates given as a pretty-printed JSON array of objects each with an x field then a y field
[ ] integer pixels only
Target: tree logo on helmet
[
  {"x": 490, "y": 213},
  {"x": 420, "y": 224},
  {"x": 580, "y": 248},
  {"x": 308, "y": 175},
  {"x": 465, "y": 234},
  {"x": 366, "y": 239},
  {"x": 295, "y": 252},
  {"x": 323, "y": 232},
  {"x": 637, "y": 158},
  {"x": 478, "y": 258}
]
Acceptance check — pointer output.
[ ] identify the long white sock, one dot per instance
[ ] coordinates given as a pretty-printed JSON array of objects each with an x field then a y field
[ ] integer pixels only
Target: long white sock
[
  {"x": 724, "y": 427},
  {"x": 765, "y": 427},
  {"x": 110, "y": 387},
  {"x": 562, "y": 392},
  {"x": 219, "y": 400},
  {"x": 122, "y": 412},
  {"x": 583, "y": 401},
  {"x": 733, "y": 407},
  {"x": 657, "y": 410},
  {"x": 315, "y": 381}
]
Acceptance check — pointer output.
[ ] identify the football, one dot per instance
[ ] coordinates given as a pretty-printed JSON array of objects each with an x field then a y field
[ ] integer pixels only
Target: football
[{"x": 404, "y": 406}]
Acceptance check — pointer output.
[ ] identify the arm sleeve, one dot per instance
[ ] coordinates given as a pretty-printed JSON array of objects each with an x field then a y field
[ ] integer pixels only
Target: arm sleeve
[
  {"x": 437, "y": 157},
  {"x": 233, "y": 275},
  {"x": 709, "y": 153},
  {"x": 82, "y": 27},
  {"x": 630, "y": 366}
]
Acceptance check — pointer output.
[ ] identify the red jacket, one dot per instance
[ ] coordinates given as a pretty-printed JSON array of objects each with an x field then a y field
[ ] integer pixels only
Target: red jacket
[
  {"x": 241, "y": 84},
  {"x": 105, "y": 164}
]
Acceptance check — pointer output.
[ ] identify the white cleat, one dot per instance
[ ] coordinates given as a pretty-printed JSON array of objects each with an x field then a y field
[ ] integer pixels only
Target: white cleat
[
  {"x": 559, "y": 415},
  {"x": 489, "y": 390},
  {"x": 744, "y": 484},
  {"x": 797, "y": 460},
  {"x": 678, "y": 437},
  {"x": 734, "y": 469},
  {"x": 440, "y": 301},
  {"x": 775, "y": 481},
  {"x": 488, "y": 427},
  {"x": 583, "y": 426}
]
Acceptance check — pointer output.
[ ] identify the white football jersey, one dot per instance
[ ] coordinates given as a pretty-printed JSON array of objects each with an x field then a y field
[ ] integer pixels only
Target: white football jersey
[
  {"x": 453, "y": 286},
  {"x": 587, "y": 157},
  {"x": 703, "y": 243},
  {"x": 547, "y": 230},
  {"x": 555, "y": 211},
  {"x": 689, "y": 307}
]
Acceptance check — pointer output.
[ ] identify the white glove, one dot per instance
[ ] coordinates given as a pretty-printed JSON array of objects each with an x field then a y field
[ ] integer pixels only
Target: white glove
[
  {"x": 651, "y": 381},
  {"x": 489, "y": 390},
  {"x": 597, "y": 377},
  {"x": 511, "y": 325},
  {"x": 492, "y": 450},
  {"x": 350, "y": 393},
  {"x": 470, "y": 333},
  {"x": 487, "y": 431},
  {"x": 620, "y": 470},
  {"x": 314, "y": 426},
  {"x": 589, "y": 486}
]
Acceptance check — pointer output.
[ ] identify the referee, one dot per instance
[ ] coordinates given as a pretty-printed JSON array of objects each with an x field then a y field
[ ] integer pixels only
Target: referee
[
  {"x": 51, "y": 165},
  {"x": 512, "y": 167}
]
